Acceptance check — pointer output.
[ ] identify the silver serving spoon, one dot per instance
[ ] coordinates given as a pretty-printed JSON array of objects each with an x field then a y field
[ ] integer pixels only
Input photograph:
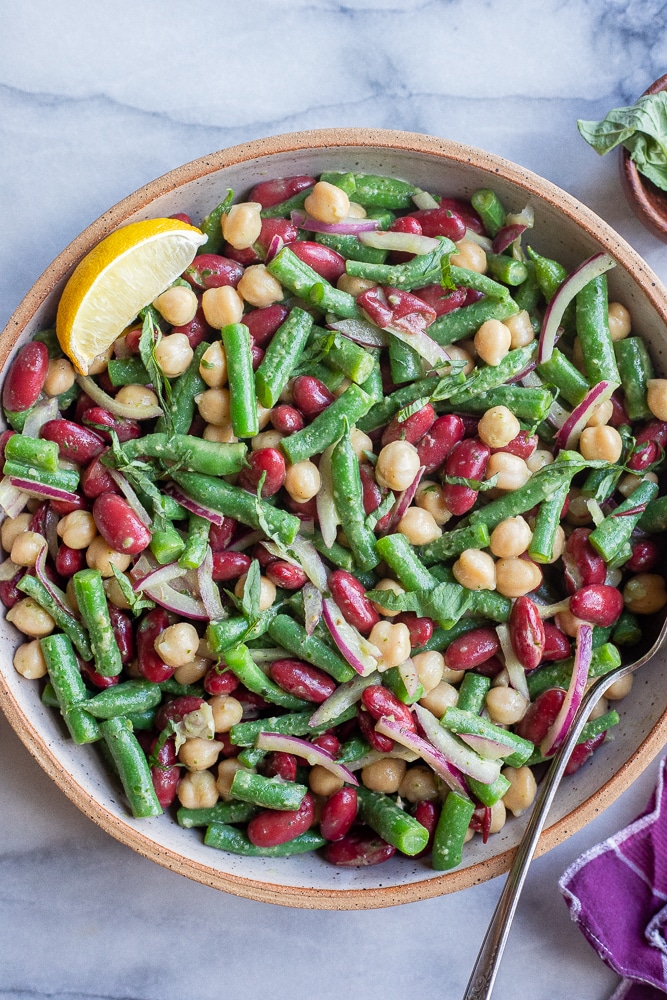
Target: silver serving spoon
[{"x": 480, "y": 984}]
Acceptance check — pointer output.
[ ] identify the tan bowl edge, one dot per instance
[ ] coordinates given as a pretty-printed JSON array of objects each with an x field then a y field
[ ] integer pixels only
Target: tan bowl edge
[{"x": 327, "y": 899}]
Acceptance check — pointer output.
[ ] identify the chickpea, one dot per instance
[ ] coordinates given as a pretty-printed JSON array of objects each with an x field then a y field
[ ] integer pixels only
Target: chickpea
[
  {"x": 29, "y": 660},
  {"x": 643, "y": 594},
  {"x": 419, "y": 526},
  {"x": 469, "y": 255},
  {"x": 475, "y": 570},
  {"x": 59, "y": 377},
  {"x": 517, "y": 577},
  {"x": 539, "y": 459},
  {"x": 115, "y": 595},
  {"x": 505, "y": 705},
  {"x": 100, "y": 556},
  {"x": 266, "y": 439},
  {"x": 227, "y": 711},
  {"x": 327, "y": 203},
  {"x": 620, "y": 323},
  {"x": 601, "y": 443},
  {"x": 418, "y": 785},
  {"x": 303, "y": 481},
  {"x": 12, "y": 527},
  {"x": 384, "y": 775},
  {"x": 628, "y": 483},
  {"x": 242, "y": 224},
  {"x": 430, "y": 497},
  {"x": 222, "y": 306},
  {"x": 213, "y": 365},
  {"x": 177, "y": 305},
  {"x": 458, "y": 353},
  {"x": 578, "y": 512},
  {"x": 258, "y": 286},
  {"x": 511, "y": 470},
  {"x": 440, "y": 698},
  {"x": 322, "y": 782},
  {"x": 453, "y": 676},
  {"x": 511, "y": 537},
  {"x": 498, "y": 816},
  {"x": 397, "y": 465},
  {"x": 177, "y": 645},
  {"x": 213, "y": 406},
  {"x": 26, "y": 548},
  {"x": 501, "y": 679},
  {"x": 522, "y": 791},
  {"x": 31, "y": 619},
  {"x": 393, "y": 641},
  {"x": 498, "y": 427},
  {"x": 174, "y": 354},
  {"x": 430, "y": 666},
  {"x": 492, "y": 341},
  {"x": 354, "y": 286},
  {"x": 387, "y": 584},
  {"x": 197, "y": 790},
  {"x": 136, "y": 395},
  {"x": 100, "y": 363},
  {"x": 657, "y": 397},
  {"x": 521, "y": 329},
  {"x": 199, "y": 754},
  {"x": 360, "y": 443},
  {"x": 620, "y": 688},
  {"x": 601, "y": 707},
  {"x": 226, "y": 770},
  {"x": 601, "y": 415},
  {"x": 267, "y": 591},
  {"x": 192, "y": 672},
  {"x": 568, "y": 623},
  {"x": 356, "y": 211},
  {"x": 77, "y": 529}
]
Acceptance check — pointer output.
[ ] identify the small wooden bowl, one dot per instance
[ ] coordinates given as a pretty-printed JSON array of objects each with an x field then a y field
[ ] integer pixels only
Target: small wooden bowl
[{"x": 647, "y": 201}]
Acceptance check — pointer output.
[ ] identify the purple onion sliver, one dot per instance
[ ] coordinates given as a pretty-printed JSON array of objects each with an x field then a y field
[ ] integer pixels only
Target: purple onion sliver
[
  {"x": 302, "y": 748},
  {"x": 506, "y": 236},
  {"x": 54, "y": 593},
  {"x": 575, "y": 692},
  {"x": 569, "y": 434},
  {"x": 580, "y": 277},
  {"x": 428, "y": 753},
  {"x": 36, "y": 489},
  {"x": 214, "y": 516},
  {"x": 275, "y": 246},
  {"x": 348, "y": 227}
]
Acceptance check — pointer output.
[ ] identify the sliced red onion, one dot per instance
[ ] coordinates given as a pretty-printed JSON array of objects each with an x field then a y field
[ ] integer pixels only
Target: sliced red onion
[
  {"x": 361, "y": 332},
  {"x": 54, "y": 592},
  {"x": 456, "y": 752},
  {"x": 409, "y": 676},
  {"x": 99, "y": 396},
  {"x": 247, "y": 541},
  {"x": 425, "y": 201},
  {"x": 484, "y": 746},
  {"x": 311, "y": 562},
  {"x": 302, "y": 748},
  {"x": 173, "y": 600},
  {"x": 557, "y": 414},
  {"x": 517, "y": 673},
  {"x": 131, "y": 497},
  {"x": 208, "y": 588},
  {"x": 506, "y": 236},
  {"x": 280, "y": 552},
  {"x": 156, "y": 577},
  {"x": 327, "y": 514},
  {"x": 312, "y": 606},
  {"x": 398, "y": 753},
  {"x": 35, "y": 489},
  {"x": 51, "y": 531},
  {"x": 569, "y": 434},
  {"x": 361, "y": 654},
  {"x": 405, "y": 242},
  {"x": 403, "y": 501},
  {"x": 346, "y": 227},
  {"x": 571, "y": 286},
  {"x": 12, "y": 499},
  {"x": 275, "y": 246},
  {"x": 430, "y": 754},
  {"x": 214, "y": 516},
  {"x": 483, "y": 241},
  {"x": 8, "y": 570},
  {"x": 345, "y": 695},
  {"x": 45, "y": 410},
  {"x": 424, "y": 345},
  {"x": 575, "y": 692}
]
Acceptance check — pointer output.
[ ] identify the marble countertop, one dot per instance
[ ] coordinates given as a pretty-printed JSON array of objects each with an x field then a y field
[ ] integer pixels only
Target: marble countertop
[{"x": 96, "y": 100}]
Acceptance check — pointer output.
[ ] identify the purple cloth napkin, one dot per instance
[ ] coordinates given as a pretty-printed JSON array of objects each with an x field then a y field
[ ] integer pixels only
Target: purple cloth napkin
[{"x": 617, "y": 894}]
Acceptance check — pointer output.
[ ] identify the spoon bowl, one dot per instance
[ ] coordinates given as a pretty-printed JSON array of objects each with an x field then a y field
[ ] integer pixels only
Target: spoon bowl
[{"x": 648, "y": 201}]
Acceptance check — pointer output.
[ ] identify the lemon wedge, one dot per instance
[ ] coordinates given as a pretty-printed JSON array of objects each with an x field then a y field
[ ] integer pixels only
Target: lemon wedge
[{"x": 124, "y": 273}]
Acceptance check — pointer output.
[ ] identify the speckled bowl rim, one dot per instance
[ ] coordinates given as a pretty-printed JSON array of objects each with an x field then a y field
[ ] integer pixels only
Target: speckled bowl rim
[{"x": 360, "y": 138}]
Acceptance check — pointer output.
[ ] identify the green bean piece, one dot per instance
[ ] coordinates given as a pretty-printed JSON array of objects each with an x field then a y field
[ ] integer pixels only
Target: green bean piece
[
  {"x": 444, "y": 637},
  {"x": 242, "y": 665},
  {"x": 50, "y": 338},
  {"x": 349, "y": 247},
  {"x": 373, "y": 191},
  {"x": 382, "y": 411},
  {"x": 245, "y": 734},
  {"x": 604, "y": 659},
  {"x": 196, "y": 542},
  {"x": 230, "y": 631},
  {"x": 166, "y": 544},
  {"x": 269, "y": 793},
  {"x": 490, "y": 604},
  {"x": 234, "y": 502},
  {"x": 493, "y": 376},
  {"x": 330, "y": 377},
  {"x": 335, "y": 553},
  {"x": 303, "y": 281},
  {"x": 65, "y": 399},
  {"x": 284, "y": 209},
  {"x": 593, "y": 332},
  {"x": 282, "y": 355},
  {"x": 506, "y": 269},
  {"x": 17, "y": 418},
  {"x": 612, "y": 534},
  {"x": 63, "y": 479},
  {"x": 402, "y": 558},
  {"x": 373, "y": 384},
  {"x": 353, "y": 749},
  {"x": 49, "y": 696},
  {"x": 654, "y": 518},
  {"x": 142, "y": 720},
  {"x": 405, "y": 363},
  {"x": 461, "y": 322},
  {"x": 397, "y": 827},
  {"x": 127, "y": 371},
  {"x": 450, "y": 832},
  {"x": 242, "y": 399},
  {"x": 294, "y": 638},
  {"x": 626, "y": 630},
  {"x": 384, "y": 216},
  {"x": 392, "y": 679},
  {"x": 601, "y": 635},
  {"x": 488, "y": 795},
  {"x": 547, "y": 522},
  {"x": 222, "y": 812},
  {"x": 635, "y": 368},
  {"x": 68, "y": 687},
  {"x": 592, "y": 729},
  {"x": 251, "y": 757},
  {"x": 211, "y": 227},
  {"x": 464, "y": 723},
  {"x": 472, "y": 692},
  {"x": 348, "y": 498},
  {"x": 189, "y": 453},
  {"x": 529, "y": 403},
  {"x": 569, "y": 381},
  {"x": 171, "y": 686},
  {"x": 229, "y": 838},
  {"x": 133, "y": 769},
  {"x": 92, "y": 602},
  {"x": 453, "y": 543},
  {"x": 422, "y": 270},
  {"x": 490, "y": 209},
  {"x": 540, "y": 486},
  {"x": 342, "y": 354},
  {"x": 181, "y": 407},
  {"x": 33, "y": 451},
  {"x": 65, "y": 621},
  {"x": 328, "y": 426},
  {"x": 134, "y": 696},
  {"x": 550, "y": 274}
]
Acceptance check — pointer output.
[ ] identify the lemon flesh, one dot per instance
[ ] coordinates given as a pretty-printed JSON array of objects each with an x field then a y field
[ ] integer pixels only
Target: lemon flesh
[{"x": 124, "y": 273}]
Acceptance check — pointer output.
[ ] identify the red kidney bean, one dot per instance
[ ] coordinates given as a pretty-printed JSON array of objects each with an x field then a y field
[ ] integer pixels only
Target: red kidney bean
[
  {"x": 306, "y": 509},
  {"x": 582, "y": 752},
  {"x": 272, "y": 192},
  {"x": 4, "y": 438},
  {"x": 442, "y": 301},
  {"x": 69, "y": 561},
  {"x": 413, "y": 429},
  {"x": 350, "y": 596},
  {"x": 165, "y": 774},
  {"x": 285, "y": 574},
  {"x": 99, "y": 418},
  {"x": 257, "y": 354},
  {"x": 220, "y": 535},
  {"x": 229, "y": 566},
  {"x": 618, "y": 416},
  {"x": 271, "y": 827},
  {"x": 119, "y": 526},
  {"x": 440, "y": 222},
  {"x": 302, "y": 680},
  {"x": 177, "y": 709},
  {"x": 490, "y": 668},
  {"x": 465, "y": 210},
  {"x": 26, "y": 376},
  {"x": 467, "y": 459},
  {"x": 196, "y": 330},
  {"x": 279, "y": 764},
  {"x": 182, "y": 217},
  {"x": 149, "y": 664},
  {"x": 338, "y": 814},
  {"x": 427, "y": 813},
  {"x": 597, "y": 604},
  {"x": 310, "y": 395},
  {"x": 283, "y": 228},
  {"x": 75, "y": 443},
  {"x": 263, "y": 557},
  {"x": 583, "y": 565},
  {"x": 645, "y": 556},
  {"x": 132, "y": 338},
  {"x": 523, "y": 445},
  {"x": 359, "y": 848},
  {"x": 97, "y": 680},
  {"x": 379, "y": 702},
  {"x": 377, "y": 741},
  {"x": 267, "y": 462},
  {"x": 38, "y": 519},
  {"x": 96, "y": 480},
  {"x": 420, "y": 629},
  {"x": 9, "y": 593},
  {"x": 83, "y": 403},
  {"x": 123, "y": 631},
  {"x": 436, "y": 445},
  {"x": 328, "y": 742},
  {"x": 220, "y": 681},
  {"x": 540, "y": 716},
  {"x": 252, "y": 701},
  {"x": 246, "y": 256},
  {"x": 527, "y": 632},
  {"x": 406, "y": 224},
  {"x": 328, "y": 263},
  {"x": 472, "y": 649},
  {"x": 648, "y": 444},
  {"x": 556, "y": 644},
  {"x": 481, "y": 822},
  {"x": 62, "y": 507},
  {"x": 210, "y": 270},
  {"x": 372, "y": 492},
  {"x": 286, "y": 419},
  {"x": 263, "y": 323}
]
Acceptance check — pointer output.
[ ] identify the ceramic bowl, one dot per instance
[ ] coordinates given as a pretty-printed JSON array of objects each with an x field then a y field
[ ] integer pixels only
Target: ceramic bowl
[
  {"x": 648, "y": 201},
  {"x": 564, "y": 229}
]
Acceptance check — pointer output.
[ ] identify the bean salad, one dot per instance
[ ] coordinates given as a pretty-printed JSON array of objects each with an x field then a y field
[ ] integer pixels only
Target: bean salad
[{"x": 322, "y": 553}]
